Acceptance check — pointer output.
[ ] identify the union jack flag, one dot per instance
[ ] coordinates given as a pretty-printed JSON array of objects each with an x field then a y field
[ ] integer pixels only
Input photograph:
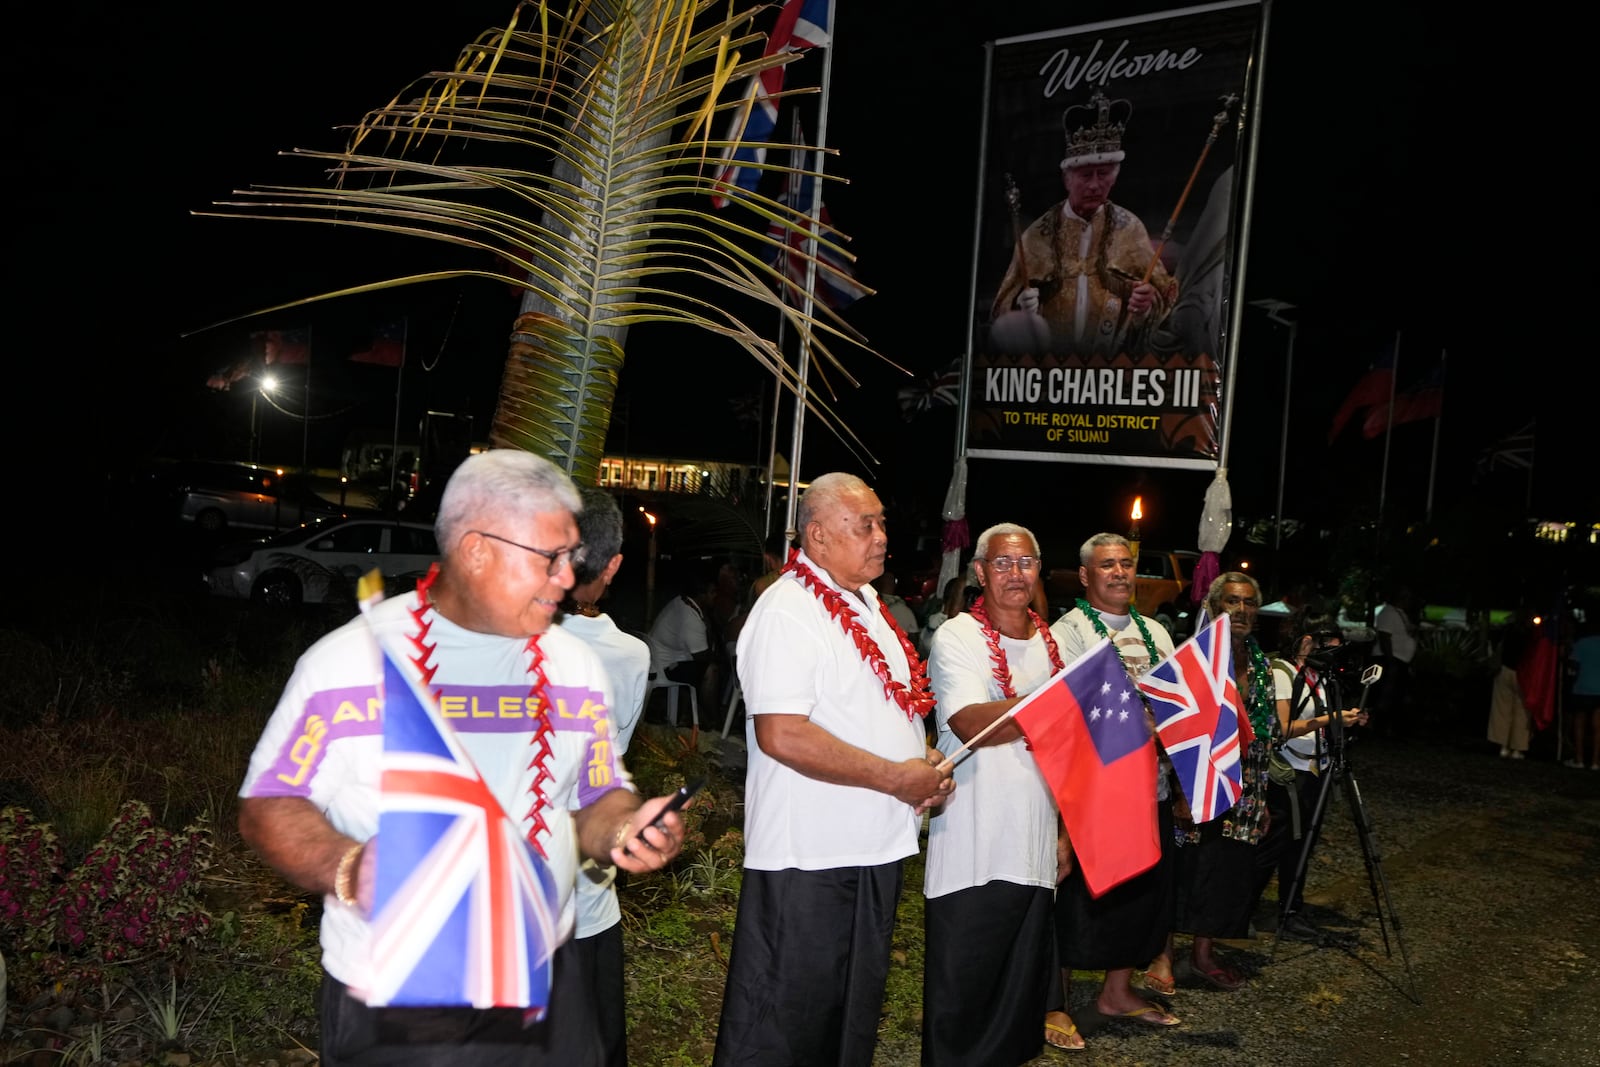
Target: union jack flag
[
  {"x": 801, "y": 24},
  {"x": 1200, "y": 720},
  {"x": 836, "y": 283},
  {"x": 464, "y": 911}
]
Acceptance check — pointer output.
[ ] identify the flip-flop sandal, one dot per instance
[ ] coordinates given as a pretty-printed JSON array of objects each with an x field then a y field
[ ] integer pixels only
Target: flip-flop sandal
[
  {"x": 1157, "y": 984},
  {"x": 1222, "y": 978},
  {"x": 1149, "y": 1015},
  {"x": 1057, "y": 1036}
]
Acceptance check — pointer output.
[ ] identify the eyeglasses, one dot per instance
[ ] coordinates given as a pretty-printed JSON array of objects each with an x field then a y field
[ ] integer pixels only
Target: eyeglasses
[
  {"x": 561, "y": 557},
  {"x": 1003, "y": 564}
]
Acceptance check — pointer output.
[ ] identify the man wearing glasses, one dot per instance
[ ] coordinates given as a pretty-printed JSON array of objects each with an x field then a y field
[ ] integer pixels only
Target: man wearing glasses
[
  {"x": 991, "y": 873},
  {"x": 530, "y": 705},
  {"x": 1128, "y": 925}
]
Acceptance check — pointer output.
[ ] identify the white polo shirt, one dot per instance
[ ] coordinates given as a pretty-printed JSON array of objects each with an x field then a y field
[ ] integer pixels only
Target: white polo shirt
[{"x": 794, "y": 659}]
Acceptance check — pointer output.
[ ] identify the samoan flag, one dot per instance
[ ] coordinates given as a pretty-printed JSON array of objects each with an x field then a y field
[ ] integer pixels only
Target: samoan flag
[
  {"x": 464, "y": 911},
  {"x": 801, "y": 24},
  {"x": 1200, "y": 719},
  {"x": 836, "y": 285},
  {"x": 1087, "y": 729}
]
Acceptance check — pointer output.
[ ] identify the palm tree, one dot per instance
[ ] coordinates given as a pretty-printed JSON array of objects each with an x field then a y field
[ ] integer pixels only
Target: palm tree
[{"x": 572, "y": 150}]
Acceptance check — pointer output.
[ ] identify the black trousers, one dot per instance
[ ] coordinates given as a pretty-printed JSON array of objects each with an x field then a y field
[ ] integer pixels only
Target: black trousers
[
  {"x": 602, "y": 958},
  {"x": 354, "y": 1035}
]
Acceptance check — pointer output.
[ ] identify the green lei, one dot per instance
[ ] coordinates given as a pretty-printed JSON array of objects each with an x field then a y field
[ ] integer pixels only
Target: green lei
[
  {"x": 1092, "y": 613},
  {"x": 1260, "y": 700}
]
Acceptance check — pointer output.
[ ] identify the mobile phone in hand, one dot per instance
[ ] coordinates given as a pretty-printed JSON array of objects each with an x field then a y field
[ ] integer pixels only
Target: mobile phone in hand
[{"x": 679, "y": 799}]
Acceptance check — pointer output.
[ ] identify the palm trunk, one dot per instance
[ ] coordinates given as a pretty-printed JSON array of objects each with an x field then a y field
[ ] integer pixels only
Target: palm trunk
[{"x": 560, "y": 378}]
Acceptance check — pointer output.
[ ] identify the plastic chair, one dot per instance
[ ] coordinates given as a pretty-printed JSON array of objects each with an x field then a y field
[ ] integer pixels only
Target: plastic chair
[
  {"x": 660, "y": 681},
  {"x": 734, "y": 701}
]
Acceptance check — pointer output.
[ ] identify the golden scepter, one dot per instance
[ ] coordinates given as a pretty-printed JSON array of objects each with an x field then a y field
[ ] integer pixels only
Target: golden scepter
[{"x": 1166, "y": 234}]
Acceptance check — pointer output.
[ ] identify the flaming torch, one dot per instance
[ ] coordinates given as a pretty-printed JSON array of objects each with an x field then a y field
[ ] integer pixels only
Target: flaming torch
[{"x": 1133, "y": 541}]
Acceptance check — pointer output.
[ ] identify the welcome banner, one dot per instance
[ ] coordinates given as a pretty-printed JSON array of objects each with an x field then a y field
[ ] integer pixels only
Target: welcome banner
[{"x": 1105, "y": 239}]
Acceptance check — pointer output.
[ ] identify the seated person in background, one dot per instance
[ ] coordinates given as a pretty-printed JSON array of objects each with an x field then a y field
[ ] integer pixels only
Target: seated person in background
[
  {"x": 683, "y": 639},
  {"x": 903, "y": 615},
  {"x": 953, "y": 603}
]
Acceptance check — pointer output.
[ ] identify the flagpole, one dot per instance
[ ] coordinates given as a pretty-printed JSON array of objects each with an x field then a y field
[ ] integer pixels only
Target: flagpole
[
  {"x": 305, "y": 409},
  {"x": 972, "y": 742},
  {"x": 955, "y": 502},
  {"x": 1247, "y": 209},
  {"x": 400, "y": 373},
  {"x": 1438, "y": 419},
  {"x": 772, "y": 445},
  {"x": 808, "y": 297},
  {"x": 1388, "y": 431}
]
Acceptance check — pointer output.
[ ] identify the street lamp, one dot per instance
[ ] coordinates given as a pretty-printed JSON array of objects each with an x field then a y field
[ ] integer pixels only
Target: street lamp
[
  {"x": 1275, "y": 313},
  {"x": 268, "y": 384}
]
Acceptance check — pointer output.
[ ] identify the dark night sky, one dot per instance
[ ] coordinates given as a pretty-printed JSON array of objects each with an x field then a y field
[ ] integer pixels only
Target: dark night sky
[{"x": 1380, "y": 206}]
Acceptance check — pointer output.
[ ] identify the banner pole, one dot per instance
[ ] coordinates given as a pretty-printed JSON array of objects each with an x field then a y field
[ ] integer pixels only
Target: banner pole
[
  {"x": 1236, "y": 310},
  {"x": 1438, "y": 420},
  {"x": 809, "y": 296},
  {"x": 1388, "y": 431}
]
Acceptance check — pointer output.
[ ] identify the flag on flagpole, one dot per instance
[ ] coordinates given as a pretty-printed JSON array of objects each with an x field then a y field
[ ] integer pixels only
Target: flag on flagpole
[
  {"x": 940, "y": 389},
  {"x": 1515, "y": 450},
  {"x": 1201, "y": 720},
  {"x": 1087, "y": 729},
  {"x": 801, "y": 24},
  {"x": 1371, "y": 391},
  {"x": 835, "y": 276},
  {"x": 464, "y": 910},
  {"x": 1421, "y": 400},
  {"x": 388, "y": 348},
  {"x": 284, "y": 347}
]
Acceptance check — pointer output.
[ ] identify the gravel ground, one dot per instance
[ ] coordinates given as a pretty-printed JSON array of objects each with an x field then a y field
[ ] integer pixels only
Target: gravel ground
[{"x": 1491, "y": 868}]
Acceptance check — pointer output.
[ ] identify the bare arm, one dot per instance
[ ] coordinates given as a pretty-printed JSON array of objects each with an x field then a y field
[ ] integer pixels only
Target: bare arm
[
  {"x": 616, "y": 819},
  {"x": 295, "y": 839},
  {"x": 803, "y": 746},
  {"x": 971, "y": 720}
]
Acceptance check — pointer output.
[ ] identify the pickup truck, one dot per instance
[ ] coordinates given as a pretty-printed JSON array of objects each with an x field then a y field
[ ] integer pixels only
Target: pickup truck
[{"x": 1161, "y": 588}]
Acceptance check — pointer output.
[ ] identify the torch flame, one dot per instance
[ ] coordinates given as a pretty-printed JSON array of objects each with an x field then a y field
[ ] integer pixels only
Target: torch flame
[{"x": 1138, "y": 512}]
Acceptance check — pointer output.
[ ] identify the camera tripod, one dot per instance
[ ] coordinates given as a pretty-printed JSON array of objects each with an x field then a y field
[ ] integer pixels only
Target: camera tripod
[{"x": 1339, "y": 771}]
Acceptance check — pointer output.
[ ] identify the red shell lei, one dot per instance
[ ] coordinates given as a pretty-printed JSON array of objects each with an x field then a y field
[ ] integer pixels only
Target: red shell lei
[
  {"x": 540, "y": 765},
  {"x": 1002, "y": 669},
  {"x": 915, "y": 699}
]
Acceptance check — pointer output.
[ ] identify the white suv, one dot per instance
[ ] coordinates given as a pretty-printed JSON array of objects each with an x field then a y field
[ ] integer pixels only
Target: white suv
[{"x": 321, "y": 562}]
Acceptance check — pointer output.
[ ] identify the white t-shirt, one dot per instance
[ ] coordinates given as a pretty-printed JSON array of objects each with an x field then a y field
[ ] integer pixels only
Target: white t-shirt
[
  {"x": 794, "y": 659},
  {"x": 627, "y": 664},
  {"x": 324, "y": 742},
  {"x": 1301, "y": 752},
  {"x": 678, "y": 634},
  {"x": 1000, "y": 824}
]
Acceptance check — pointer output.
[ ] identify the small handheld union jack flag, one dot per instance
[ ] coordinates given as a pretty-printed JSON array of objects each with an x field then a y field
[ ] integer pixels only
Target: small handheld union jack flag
[
  {"x": 1199, "y": 719},
  {"x": 464, "y": 911}
]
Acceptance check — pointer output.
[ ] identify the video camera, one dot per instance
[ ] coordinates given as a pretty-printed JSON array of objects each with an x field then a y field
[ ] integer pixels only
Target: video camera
[{"x": 1337, "y": 663}]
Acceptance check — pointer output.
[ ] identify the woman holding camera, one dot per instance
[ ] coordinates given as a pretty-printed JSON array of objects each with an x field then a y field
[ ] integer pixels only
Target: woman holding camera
[{"x": 1296, "y": 772}]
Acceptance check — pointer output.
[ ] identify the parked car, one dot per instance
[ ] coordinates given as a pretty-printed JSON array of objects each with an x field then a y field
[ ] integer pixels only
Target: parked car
[
  {"x": 322, "y": 561},
  {"x": 217, "y": 496}
]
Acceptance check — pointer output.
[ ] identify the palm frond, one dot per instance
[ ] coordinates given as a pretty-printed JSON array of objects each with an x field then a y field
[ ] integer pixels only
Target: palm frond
[{"x": 576, "y": 145}]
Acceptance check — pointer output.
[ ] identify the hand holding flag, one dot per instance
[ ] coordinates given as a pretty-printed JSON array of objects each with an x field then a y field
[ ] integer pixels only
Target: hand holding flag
[
  {"x": 1088, "y": 733},
  {"x": 464, "y": 910},
  {"x": 1201, "y": 720}
]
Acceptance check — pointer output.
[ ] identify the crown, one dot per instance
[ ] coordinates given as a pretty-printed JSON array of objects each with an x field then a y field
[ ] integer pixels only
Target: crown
[{"x": 1098, "y": 139}]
